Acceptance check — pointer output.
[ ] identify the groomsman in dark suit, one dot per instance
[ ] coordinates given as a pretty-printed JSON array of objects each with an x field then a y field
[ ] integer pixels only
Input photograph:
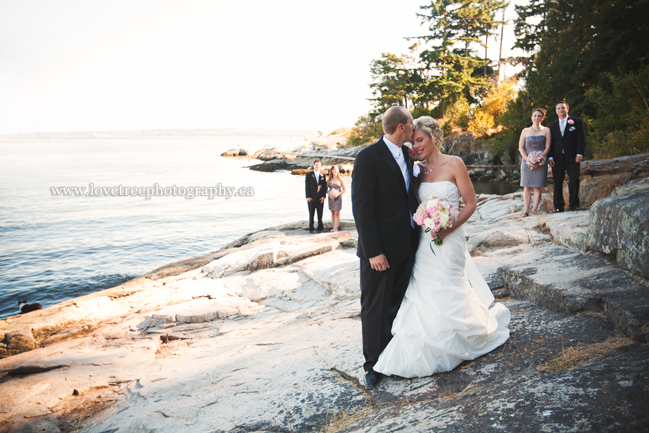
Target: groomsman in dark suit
[
  {"x": 383, "y": 202},
  {"x": 566, "y": 154},
  {"x": 315, "y": 186}
]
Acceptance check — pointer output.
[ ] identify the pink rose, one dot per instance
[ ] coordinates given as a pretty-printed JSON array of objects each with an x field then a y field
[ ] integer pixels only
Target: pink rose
[{"x": 571, "y": 121}]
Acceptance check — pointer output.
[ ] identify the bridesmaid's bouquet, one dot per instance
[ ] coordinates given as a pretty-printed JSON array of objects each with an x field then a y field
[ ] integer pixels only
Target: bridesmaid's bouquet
[
  {"x": 535, "y": 159},
  {"x": 435, "y": 215}
]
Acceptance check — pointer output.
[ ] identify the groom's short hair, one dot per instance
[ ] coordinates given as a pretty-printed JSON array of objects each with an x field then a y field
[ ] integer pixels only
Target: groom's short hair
[
  {"x": 562, "y": 102},
  {"x": 395, "y": 116}
]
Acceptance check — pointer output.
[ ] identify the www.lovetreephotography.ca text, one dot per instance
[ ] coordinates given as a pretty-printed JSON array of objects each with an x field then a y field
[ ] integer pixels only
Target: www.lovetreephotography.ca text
[{"x": 189, "y": 192}]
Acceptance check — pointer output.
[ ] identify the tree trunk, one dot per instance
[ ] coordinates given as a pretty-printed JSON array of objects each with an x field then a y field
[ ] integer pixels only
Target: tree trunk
[
  {"x": 623, "y": 164},
  {"x": 500, "y": 53},
  {"x": 486, "y": 43}
]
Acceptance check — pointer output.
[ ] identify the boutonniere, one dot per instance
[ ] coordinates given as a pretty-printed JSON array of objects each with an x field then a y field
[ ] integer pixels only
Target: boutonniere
[
  {"x": 570, "y": 121},
  {"x": 412, "y": 156}
]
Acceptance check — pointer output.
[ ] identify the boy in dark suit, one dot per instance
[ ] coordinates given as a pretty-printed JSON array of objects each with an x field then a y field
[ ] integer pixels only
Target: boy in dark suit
[
  {"x": 383, "y": 202},
  {"x": 315, "y": 186},
  {"x": 566, "y": 154}
]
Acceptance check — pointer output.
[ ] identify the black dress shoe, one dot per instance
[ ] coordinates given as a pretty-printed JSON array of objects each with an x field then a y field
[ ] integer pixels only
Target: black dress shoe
[
  {"x": 372, "y": 378},
  {"x": 557, "y": 210},
  {"x": 576, "y": 208}
]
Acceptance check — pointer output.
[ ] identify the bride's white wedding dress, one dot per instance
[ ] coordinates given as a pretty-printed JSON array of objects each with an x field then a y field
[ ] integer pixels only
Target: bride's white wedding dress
[{"x": 444, "y": 318}]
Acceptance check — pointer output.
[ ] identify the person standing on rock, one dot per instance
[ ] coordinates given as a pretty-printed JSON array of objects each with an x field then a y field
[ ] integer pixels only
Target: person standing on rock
[
  {"x": 536, "y": 138},
  {"x": 315, "y": 185},
  {"x": 335, "y": 190},
  {"x": 566, "y": 154},
  {"x": 383, "y": 202}
]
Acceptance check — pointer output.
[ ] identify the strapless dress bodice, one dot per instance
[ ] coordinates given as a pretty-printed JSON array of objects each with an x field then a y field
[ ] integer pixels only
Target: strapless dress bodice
[{"x": 440, "y": 189}]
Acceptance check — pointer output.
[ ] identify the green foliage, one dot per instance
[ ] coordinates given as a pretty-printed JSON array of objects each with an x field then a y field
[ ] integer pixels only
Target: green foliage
[
  {"x": 365, "y": 131},
  {"x": 529, "y": 33},
  {"x": 516, "y": 116},
  {"x": 494, "y": 104},
  {"x": 481, "y": 123},
  {"x": 459, "y": 112},
  {"x": 578, "y": 43},
  {"x": 447, "y": 127},
  {"x": 621, "y": 126},
  {"x": 590, "y": 54},
  {"x": 395, "y": 82},
  {"x": 449, "y": 62},
  {"x": 497, "y": 97}
]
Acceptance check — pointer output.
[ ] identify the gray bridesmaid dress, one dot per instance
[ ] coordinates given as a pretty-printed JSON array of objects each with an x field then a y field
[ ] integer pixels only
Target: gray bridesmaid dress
[
  {"x": 537, "y": 177},
  {"x": 337, "y": 203}
]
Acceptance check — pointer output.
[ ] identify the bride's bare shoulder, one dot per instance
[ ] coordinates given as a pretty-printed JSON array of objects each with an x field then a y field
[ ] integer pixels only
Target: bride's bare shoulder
[{"x": 455, "y": 161}]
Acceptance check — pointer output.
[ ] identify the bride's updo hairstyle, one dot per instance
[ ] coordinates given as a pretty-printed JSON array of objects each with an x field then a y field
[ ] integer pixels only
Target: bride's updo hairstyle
[{"x": 431, "y": 127}]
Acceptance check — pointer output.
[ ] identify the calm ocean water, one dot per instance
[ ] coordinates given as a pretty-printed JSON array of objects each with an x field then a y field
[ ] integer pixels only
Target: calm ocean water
[{"x": 54, "y": 248}]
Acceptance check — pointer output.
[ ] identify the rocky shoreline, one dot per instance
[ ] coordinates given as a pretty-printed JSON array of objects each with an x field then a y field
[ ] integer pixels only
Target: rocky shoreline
[
  {"x": 334, "y": 149},
  {"x": 263, "y": 335}
]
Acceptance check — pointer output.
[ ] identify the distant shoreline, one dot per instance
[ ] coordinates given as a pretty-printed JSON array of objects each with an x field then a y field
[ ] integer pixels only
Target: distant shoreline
[{"x": 160, "y": 133}]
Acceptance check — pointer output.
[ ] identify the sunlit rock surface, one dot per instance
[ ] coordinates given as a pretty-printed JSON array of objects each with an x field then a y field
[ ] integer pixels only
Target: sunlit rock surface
[{"x": 264, "y": 336}]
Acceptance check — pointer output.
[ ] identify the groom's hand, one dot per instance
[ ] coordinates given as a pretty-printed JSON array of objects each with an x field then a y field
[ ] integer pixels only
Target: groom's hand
[{"x": 379, "y": 263}]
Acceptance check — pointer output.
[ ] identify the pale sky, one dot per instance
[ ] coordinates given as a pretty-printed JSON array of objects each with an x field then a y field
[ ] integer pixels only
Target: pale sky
[{"x": 81, "y": 65}]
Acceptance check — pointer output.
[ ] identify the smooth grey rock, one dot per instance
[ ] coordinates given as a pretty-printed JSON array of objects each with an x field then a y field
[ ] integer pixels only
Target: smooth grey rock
[
  {"x": 34, "y": 368},
  {"x": 570, "y": 282},
  {"x": 294, "y": 362},
  {"x": 204, "y": 311},
  {"x": 266, "y": 283},
  {"x": 67, "y": 333},
  {"x": 619, "y": 226},
  {"x": 162, "y": 319},
  {"x": 569, "y": 229},
  {"x": 494, "y": 208},
  {"x": 35, "y": 425},
  {"x": 20, "y": 340},
  {"x": 631, "y": 187}
]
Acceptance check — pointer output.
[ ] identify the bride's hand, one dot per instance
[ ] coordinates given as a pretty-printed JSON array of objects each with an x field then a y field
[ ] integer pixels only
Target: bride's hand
[{"x": 442, "y": 234}]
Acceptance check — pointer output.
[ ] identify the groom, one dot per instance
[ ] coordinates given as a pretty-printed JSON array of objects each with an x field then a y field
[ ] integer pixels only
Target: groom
[
  {"x": 383, "y": 202},
  {"x": 566, "y": 153}
]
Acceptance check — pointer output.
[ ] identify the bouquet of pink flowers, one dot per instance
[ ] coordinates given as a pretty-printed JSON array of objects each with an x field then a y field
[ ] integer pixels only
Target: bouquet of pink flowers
[
  {"x": 435, "y": 215},
  {"x": 535, "y": 159}
]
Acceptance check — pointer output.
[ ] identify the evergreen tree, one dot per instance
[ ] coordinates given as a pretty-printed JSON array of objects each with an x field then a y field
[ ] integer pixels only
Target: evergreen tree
[
  {"x": 395, "y": 82},
  {"x": 578, "y": 43},
  {"x": 452, "y": 68}
]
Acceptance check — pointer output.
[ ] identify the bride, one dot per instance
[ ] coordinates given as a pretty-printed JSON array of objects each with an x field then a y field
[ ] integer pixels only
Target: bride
[{"x": 444, "y": 318}]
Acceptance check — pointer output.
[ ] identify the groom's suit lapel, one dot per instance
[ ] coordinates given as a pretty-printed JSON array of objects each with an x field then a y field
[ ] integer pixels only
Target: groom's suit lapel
[{"x": 388, "y": 158}]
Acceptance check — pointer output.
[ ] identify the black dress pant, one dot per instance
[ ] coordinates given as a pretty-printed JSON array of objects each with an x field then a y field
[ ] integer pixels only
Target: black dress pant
[
  {"x": 314, "y": 205},
  {"x": 558, "y": 174},
  {"x": 381, "y": 296}
]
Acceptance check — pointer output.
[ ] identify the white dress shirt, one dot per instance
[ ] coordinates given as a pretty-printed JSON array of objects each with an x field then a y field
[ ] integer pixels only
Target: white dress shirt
[
  {"x": 398, "y": 156},
  {"x": 401, "y": 161}
]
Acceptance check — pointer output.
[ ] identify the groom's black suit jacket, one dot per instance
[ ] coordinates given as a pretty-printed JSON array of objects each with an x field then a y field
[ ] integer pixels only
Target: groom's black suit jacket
[
  {"x": 315, "y": 188},
  {"x": 382, "y": 210},
  {"x": 572, "y": 143},
  {"x": 381, "y": 205}
]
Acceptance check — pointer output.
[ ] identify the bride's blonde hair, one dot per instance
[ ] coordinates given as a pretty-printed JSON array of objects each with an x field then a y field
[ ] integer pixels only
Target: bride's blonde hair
[{"x": 431, "y": 127}]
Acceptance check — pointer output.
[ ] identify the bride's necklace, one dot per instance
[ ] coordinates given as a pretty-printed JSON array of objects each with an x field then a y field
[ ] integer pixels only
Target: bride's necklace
[
  {"x": 536, "y": 130},
  {"x": 432, "y": 166}
]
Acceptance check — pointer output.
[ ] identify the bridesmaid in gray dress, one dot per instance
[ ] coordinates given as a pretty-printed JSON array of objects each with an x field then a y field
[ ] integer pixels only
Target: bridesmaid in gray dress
[
  {"x": 536, "y": 137},
  {"x": 335, "y": 190}
]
